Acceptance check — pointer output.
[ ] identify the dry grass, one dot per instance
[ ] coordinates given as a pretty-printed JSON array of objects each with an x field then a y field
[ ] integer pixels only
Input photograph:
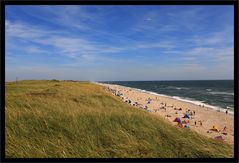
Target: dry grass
[{"x": 56, "y": 119}]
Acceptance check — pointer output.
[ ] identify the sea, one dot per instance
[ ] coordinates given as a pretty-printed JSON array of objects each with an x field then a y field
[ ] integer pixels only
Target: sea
[{"x": 215, "y": 94}]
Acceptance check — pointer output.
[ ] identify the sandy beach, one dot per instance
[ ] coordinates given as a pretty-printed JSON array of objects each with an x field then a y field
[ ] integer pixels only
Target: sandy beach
[{"x": 204, "y": 117}]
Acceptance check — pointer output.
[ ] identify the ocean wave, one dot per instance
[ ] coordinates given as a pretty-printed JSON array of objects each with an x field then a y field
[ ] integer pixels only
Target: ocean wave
[
  {"x": 195, "y": 102},
  {"x": 178, "y": 88},
  {"x": 221, "y": 93},
  {"x": 206, "y": 105},
  {"x": 228, "y": 107},
  {"x": 209, "y": 89}
]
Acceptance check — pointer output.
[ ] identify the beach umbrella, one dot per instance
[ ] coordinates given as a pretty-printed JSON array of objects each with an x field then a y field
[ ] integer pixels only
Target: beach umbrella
[
  {"x": 219, "y": 138},
  {"x": 177, "y": 119},
  {"x": 186, "y": 116}
]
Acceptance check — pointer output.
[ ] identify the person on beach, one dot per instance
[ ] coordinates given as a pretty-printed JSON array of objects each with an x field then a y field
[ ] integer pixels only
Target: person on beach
[
  {"x": 226, "y": 111},
  {"x": 225, "y": 130},
  {"x": 195, "y": 123},
  {"x": 194, "y": 112},
  {"x": 201, "y": 123}
]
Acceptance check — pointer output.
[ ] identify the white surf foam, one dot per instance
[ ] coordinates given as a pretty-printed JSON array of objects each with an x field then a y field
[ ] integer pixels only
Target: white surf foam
[
  {"x": 178, "y": 88},
  {"x": 204, "y": 104},
  {"x": 222, "y": 93}
]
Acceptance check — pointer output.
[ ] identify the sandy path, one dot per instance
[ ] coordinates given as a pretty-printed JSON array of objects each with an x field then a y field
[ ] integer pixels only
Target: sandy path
[{"x": 209, "y": 117}]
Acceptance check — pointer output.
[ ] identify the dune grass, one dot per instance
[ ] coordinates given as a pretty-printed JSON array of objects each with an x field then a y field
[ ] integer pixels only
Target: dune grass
[{"x": 59, "y": 119}]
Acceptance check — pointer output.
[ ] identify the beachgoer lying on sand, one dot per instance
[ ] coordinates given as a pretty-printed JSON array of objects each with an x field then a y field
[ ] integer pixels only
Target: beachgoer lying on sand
[
  {"x": 179, "y": 109},
  {"x": 214, "y": 128}
]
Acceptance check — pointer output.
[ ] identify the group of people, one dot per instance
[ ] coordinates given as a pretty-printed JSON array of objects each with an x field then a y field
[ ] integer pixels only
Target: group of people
[
  {"x": 182, "y": 124},
  {"x": 190, "y": 112},
  {"x": 131, "y": 102}
]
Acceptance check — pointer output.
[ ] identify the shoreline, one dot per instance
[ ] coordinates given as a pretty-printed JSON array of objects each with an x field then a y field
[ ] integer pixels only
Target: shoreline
[
  {"x": 192, "y": 101},
  {"x": 206, "y": 115}
]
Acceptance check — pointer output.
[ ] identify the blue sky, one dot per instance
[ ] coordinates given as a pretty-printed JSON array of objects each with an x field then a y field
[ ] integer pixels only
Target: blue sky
[{"x": 119, "y": 42}]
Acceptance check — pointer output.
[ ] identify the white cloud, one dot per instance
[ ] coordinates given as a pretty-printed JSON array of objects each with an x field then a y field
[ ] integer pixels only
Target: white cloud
[
  {"x": 23, "y": 31},
  {"x": 161, "y": 44},
  {"x": 217, "y": 38},
  {"x": 64, "y": 44}
]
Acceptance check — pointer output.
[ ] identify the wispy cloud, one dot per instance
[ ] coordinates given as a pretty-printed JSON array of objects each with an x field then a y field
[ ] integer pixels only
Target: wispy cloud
[{"x": 65, "y": 43}]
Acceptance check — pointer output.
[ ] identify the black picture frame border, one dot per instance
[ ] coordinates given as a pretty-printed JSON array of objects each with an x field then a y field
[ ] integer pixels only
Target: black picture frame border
[{"x": 234, "y": 3}]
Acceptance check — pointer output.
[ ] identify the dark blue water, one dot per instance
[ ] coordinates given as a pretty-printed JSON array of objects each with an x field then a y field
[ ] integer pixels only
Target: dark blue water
[{"x": 218, "y": 93}]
